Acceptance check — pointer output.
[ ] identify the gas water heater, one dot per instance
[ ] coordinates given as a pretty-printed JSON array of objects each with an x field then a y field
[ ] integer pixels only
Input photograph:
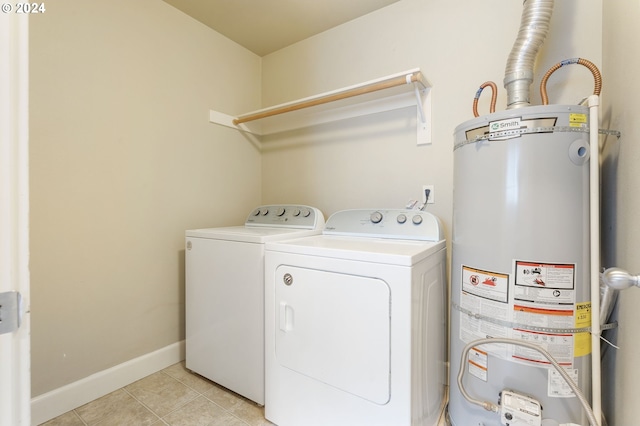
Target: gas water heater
[
  {"x": 523, "y": 252},
  {"x": 520, "y": 263}
]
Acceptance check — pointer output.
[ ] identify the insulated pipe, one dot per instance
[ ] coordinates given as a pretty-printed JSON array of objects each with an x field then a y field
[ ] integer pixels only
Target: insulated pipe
[
  {"x": 534, "y": 25},
  {"x": 594, "y": 219},
  {"x": 494, "y": 96},
  {"x": 597, "y": 77}
]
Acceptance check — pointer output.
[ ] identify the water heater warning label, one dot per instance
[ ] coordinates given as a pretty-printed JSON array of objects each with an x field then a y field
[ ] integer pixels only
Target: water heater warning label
[
  {"x": 557, "y": 387},
  {"x": 488, "y": 285},
  {"x": 486, "y": 294},
  {"x": 536, "y": 303},
  {"x": 583, "y": 319},
  {"x": 578, "y": 120},
  {"x": 478, "y": 362},
  {"x": 545, "y": 283}
]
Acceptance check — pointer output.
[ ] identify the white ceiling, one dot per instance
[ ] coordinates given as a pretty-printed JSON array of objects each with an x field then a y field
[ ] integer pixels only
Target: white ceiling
[{"x": 264, "y": 26}]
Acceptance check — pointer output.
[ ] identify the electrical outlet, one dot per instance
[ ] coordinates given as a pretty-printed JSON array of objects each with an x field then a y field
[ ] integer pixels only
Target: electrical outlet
[{"x": 432, "y": 194}]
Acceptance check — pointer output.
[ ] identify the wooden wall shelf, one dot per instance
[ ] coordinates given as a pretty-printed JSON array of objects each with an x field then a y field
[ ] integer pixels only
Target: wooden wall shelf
[{"x": 384, "y": 94}]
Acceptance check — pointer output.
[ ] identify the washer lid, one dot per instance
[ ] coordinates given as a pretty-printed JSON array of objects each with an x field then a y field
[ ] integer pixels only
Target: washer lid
[
  {"x": 269, "y": 223},
  {"x": 257, "y": 235}
]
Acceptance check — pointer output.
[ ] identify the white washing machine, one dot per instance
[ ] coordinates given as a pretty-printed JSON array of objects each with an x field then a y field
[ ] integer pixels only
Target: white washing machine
[
  {"x": 225, "y": 294},
  {"x": 355, "y": 322}
]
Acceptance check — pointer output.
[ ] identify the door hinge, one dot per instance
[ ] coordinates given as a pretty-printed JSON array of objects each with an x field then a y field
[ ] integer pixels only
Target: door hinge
[{"x": 10, "y": 311}]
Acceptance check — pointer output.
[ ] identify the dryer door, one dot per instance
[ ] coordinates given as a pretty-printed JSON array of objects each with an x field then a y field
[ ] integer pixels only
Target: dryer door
[{"x": 335, "y": 328}]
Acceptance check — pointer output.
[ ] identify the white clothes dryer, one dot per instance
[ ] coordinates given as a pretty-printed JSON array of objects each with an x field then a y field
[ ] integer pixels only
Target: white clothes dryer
[
  {"x": 224, "y": 270},
  {"x": 356, "y": 322}
]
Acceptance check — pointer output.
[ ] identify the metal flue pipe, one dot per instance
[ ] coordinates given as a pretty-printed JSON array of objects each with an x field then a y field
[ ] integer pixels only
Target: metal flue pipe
[{"x": 534, "y": 26}]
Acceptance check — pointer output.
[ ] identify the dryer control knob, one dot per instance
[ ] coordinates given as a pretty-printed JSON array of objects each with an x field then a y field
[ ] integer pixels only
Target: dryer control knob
[
  {"x": 280, "y": 211},
  {"x": 376, "y": 217},
  {"x": 265, "y": 212},
  {"x": 402, "y": 218},
  {"x": 306, "y": 212},
  {"x": 417, "y": 219},
  {"x": 296, "y": 212},
  {"x": 257, "y": 212}
]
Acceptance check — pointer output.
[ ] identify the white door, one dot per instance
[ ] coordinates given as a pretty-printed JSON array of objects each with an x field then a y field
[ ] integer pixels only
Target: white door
[
  {"x": 15, "y": 388},
  {"x": 335, "y": 328}
]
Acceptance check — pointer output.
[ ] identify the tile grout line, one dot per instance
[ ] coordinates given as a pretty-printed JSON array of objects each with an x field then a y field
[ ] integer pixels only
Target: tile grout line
[
  {"x": 226, "y": 410},
  {"x": 204, "y": 396},
  {"x": 200, "y": 394},
  {"x": 124, "y": 388},
  {"x": 79, "y": 417},
  {"x": 158, "y": 418}
]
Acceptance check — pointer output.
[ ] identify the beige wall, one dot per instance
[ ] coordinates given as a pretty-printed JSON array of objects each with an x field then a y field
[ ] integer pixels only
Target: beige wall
[
  {"x": 123, "y": 160},
  {"x": 374, "y": 161},
  {"x": 621, "y": 183}
]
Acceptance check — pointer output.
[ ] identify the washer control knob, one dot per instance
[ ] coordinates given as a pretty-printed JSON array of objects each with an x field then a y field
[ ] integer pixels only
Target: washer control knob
[
  {"x": 402, "y": 218},
  {"x": 417, "y": 219},
  {"x": 280, "y": 211},
  {"x": 256, "y": 212},
  {"x": 306, "y": 212},
  {"x": 265, "y": 212},
  {"x": 376, "y": 217},
  {"x": 296, "y": 212}
]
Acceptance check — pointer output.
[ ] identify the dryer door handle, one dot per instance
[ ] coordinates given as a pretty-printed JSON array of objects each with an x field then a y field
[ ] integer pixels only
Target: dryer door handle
[{"x": 286, "y": 317}]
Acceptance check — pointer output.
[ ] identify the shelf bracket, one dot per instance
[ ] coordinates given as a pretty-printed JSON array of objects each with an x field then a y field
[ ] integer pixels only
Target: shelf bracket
[
  {"x": 227, "y": 121},
  {"x": 423, "y": 108},
  {"x": 423, "y": 120}
]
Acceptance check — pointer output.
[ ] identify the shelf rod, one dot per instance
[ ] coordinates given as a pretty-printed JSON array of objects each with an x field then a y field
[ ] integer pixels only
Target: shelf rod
[{"x": 374, "y": 87}]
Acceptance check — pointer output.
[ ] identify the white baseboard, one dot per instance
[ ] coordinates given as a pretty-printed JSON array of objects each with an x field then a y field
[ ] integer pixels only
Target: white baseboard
[{"x": 52, "y": 404}]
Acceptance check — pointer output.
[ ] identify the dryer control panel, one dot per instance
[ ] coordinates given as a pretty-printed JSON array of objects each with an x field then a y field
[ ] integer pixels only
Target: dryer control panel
[
  {"x": 286, "y": 216},
  {"x": 399, "y": 224}
]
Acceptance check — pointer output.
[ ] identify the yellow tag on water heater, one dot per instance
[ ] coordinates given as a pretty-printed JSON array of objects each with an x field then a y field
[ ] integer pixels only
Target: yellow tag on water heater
[
  {"x": 577, "y": 120},
  {"x": 582, "y": 341}
]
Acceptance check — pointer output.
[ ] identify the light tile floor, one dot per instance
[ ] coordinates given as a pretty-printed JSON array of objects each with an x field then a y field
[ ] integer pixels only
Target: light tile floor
[{"x": 173, "y": 396}]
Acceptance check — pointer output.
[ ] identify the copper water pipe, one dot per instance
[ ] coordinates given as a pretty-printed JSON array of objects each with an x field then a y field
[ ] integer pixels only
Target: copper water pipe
[
  {"x": 594, "y": 70},
  {"x": 494, "y": 96}
]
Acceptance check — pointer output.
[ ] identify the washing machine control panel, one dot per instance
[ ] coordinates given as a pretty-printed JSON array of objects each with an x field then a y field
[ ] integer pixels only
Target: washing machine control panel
[
  {"x": 286, "y": 216},
  {"x": 386, "y": 223}
]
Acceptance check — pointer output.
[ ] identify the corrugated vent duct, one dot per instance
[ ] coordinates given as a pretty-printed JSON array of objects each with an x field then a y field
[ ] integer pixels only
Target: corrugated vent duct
[{"x": 534, "y": 26}]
